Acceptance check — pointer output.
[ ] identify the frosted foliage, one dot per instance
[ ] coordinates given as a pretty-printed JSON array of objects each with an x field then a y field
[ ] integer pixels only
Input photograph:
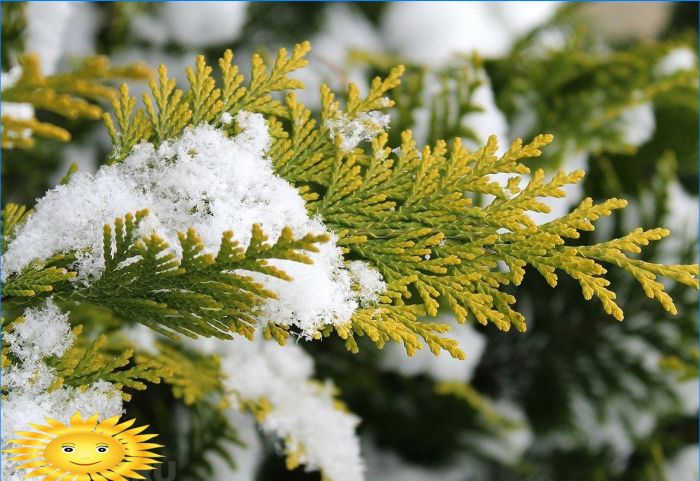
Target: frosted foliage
[
  {"x": 303, "y": 412},
  {"x": 365, "y": 126},
  {"x": 44, "y": 332},
  {"x": 368, "y": 280},
  {"x": 442, "y": 367},
  {"x": 202, "y": 180}
]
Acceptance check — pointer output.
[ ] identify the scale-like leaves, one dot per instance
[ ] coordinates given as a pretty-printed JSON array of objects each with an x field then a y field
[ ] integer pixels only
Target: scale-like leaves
[
  {"x": 192, "y": 376},
  {"x": 71, "y": 95},
  {"x": 417, "y": 215},
  {"x": 199, "y": 294},
  {"x": 87, "y": 362}
]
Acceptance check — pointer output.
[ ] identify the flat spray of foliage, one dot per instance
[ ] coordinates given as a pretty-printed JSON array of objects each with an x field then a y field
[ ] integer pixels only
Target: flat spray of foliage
[
  {"x": 417, "y": 215},
  {"x": 71, "y": 95}
]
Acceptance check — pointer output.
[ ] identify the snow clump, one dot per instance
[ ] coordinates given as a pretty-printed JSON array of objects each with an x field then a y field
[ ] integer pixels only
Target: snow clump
[{"x": 212, "y": 183}]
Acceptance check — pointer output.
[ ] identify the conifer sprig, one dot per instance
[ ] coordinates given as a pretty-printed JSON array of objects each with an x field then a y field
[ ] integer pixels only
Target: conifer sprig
[
  {"x": 414, "y": 214},
  {"x": 168, "y": 110},
  {"x": 200, "y": 294},
  {"x": 87, "y": 362},
  {"x": 71, "y": 95},
  {"x": 192, "y": 376}
]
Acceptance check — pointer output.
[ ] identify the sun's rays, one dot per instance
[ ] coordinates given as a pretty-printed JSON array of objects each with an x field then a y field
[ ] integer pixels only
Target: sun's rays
[{"x": 85, "y": 450}]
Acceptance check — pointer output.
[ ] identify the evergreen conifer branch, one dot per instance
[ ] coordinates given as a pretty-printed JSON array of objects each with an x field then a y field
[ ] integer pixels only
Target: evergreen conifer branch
[
  {"x": 168, "y": 110},
  {"x": 71, "y": 95},
  {"x": 581, "y": 80},
  {"x": 201, "y": 294},
  {"x": 413, "y": 214},
  {"x": 193, "y": 377},
  {"x": 87, "y": 362},
  {"x": 13, "y": 216},
  {"x": 40, "y": 276}
]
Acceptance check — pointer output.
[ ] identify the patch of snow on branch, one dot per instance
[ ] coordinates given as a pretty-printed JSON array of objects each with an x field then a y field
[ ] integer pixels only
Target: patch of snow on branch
[
  {"x": 431, "y": 32},
  {"x": 638, "y": 124},
  {"x": 45, "y": 332},
  {"x": 303, "y": 412},
  {"x": 677, "y": 60},
  {"x": 192, "y": 24},
  {"x": 364, "y": 126},
  {"x": 369, "y": 281},
  {"x": 206, "y": 181},
  {"x": 18, "y": 110}
]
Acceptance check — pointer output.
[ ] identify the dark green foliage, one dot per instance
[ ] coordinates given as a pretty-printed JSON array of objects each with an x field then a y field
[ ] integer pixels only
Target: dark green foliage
[
  {"x": 13, "y": 25},
  {"x": 201, "y": 294},
  {"x": 201, "y": 434},
  {"x": 579, "y": 91}
]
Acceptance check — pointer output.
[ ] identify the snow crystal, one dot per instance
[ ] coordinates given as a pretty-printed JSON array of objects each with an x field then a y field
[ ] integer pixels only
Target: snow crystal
[
  {"x": 369, "y": 281},
  {"x": 303, "y": 412},
  {"x": 226, "y": 118},
  {"x": 44, "y": 332},
  {"x": 364, "y": 126},
  {"x": 677, "y": 60},
  {"x": 442, "y": 367},
  {"x": 202, "y": 180},
  {"x": 637, "y": 124}
]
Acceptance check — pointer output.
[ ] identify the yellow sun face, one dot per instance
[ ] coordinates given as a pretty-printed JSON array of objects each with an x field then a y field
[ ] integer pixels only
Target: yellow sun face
[{"x": 85, "y": 450}]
